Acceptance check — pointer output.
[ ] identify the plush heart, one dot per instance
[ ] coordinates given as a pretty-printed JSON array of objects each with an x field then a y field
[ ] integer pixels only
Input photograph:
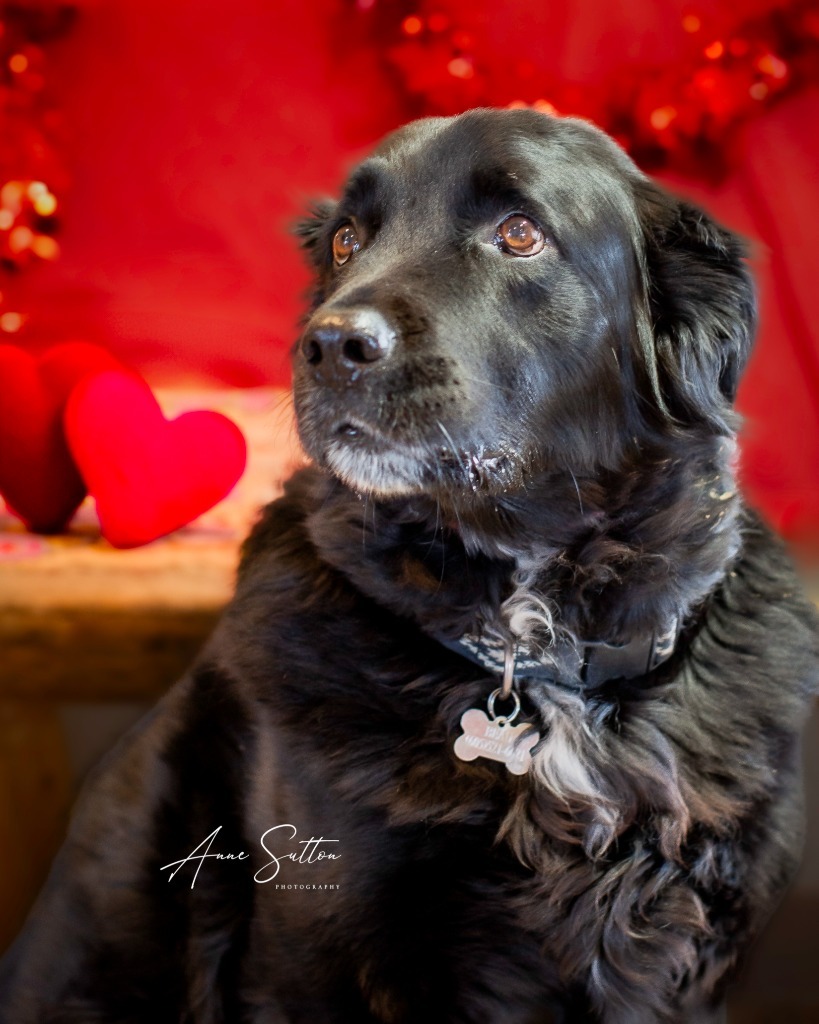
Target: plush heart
[
  {"x": 38, "y": 477},
  {"x": 149, "y": 476}
]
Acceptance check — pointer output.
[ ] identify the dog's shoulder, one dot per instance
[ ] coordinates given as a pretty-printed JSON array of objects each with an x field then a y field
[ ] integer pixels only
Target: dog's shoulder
[
  {"x": 756, "y": 643},
  {"x": 764, "y": 587}
]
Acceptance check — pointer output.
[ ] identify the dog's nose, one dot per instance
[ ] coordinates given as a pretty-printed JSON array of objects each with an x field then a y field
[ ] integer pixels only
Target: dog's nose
[{"x": 340, "y": 345}]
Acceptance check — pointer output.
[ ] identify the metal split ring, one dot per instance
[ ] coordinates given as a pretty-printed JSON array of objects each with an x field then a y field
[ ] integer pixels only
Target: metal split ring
[{"x": 490, "y": 706}]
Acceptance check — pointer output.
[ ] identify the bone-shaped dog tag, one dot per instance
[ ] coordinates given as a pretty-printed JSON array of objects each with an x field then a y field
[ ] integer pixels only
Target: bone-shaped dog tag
[{"x": 496, "y": 739}]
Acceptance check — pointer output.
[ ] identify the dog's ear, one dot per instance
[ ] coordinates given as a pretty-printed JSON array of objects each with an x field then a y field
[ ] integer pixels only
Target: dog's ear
[
  {"x": 701, "y": 305},
  {"x": 310, "y": 230}
]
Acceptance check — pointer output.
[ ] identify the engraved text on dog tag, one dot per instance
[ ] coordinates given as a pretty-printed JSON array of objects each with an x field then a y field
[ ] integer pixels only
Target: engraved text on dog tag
[{"x": 496, "y": 739}]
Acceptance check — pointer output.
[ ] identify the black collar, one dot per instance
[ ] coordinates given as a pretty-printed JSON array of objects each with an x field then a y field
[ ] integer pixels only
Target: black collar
[{"x": 590, "y": 664}]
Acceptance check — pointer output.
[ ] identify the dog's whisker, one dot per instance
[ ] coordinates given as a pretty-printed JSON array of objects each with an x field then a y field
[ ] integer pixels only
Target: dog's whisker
[
  {"x": 487, "y": 383},
  {"x": 364, "y": 524},
  {"x": 281, "y": 405},
  {"x": 455, "y": 452},
  {"x": 579, "y": 499},
  {"x": 438, "y": 526},
  {"x": 452, "y": 444}
]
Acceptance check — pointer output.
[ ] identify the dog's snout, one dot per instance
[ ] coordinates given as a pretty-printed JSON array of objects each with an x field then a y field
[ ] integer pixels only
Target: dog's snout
[{"x": 340, "y": 345}]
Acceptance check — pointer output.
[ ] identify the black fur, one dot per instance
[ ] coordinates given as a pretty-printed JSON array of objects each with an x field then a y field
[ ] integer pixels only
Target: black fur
[{"x": 544, "y": 440}]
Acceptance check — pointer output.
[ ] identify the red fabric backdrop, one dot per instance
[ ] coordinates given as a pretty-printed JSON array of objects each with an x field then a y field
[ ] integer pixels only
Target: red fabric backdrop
[{"x": 198, "y": 131}]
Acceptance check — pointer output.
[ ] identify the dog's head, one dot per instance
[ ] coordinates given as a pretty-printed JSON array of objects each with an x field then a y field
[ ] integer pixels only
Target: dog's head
[{"x": 502, "y": 293}]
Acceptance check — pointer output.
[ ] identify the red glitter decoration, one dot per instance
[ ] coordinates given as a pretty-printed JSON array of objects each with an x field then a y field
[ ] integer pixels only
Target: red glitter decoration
[
  {"x": 32, "y": 173},
  {"x": 684, "y": 115}
]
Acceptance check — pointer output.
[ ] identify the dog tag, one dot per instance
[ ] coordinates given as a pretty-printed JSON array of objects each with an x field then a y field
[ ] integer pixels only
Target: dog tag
[{"x": 495, "y": 738}]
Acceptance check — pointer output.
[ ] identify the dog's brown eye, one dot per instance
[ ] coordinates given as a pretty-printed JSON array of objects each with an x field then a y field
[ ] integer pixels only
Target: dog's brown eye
[
  {"x": 345, "y": 243},
  {"x": 520, "y": 236}
]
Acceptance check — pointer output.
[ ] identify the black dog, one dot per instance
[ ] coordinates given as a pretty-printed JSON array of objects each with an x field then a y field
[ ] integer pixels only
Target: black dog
[{"x": 502, "y": 724}]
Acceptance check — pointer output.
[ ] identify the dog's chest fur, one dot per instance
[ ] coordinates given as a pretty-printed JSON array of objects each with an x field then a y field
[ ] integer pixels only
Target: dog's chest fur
[{"x": 625, "y": 823}]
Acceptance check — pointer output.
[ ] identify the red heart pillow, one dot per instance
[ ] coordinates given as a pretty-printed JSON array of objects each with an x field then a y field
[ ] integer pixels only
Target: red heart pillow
[
  {"x": 38, "y": 477},
  {"x": 149, "y": 476}
]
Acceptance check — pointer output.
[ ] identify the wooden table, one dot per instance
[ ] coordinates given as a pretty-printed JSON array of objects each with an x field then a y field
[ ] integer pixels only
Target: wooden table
[{"x": 81, "y": 621}]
